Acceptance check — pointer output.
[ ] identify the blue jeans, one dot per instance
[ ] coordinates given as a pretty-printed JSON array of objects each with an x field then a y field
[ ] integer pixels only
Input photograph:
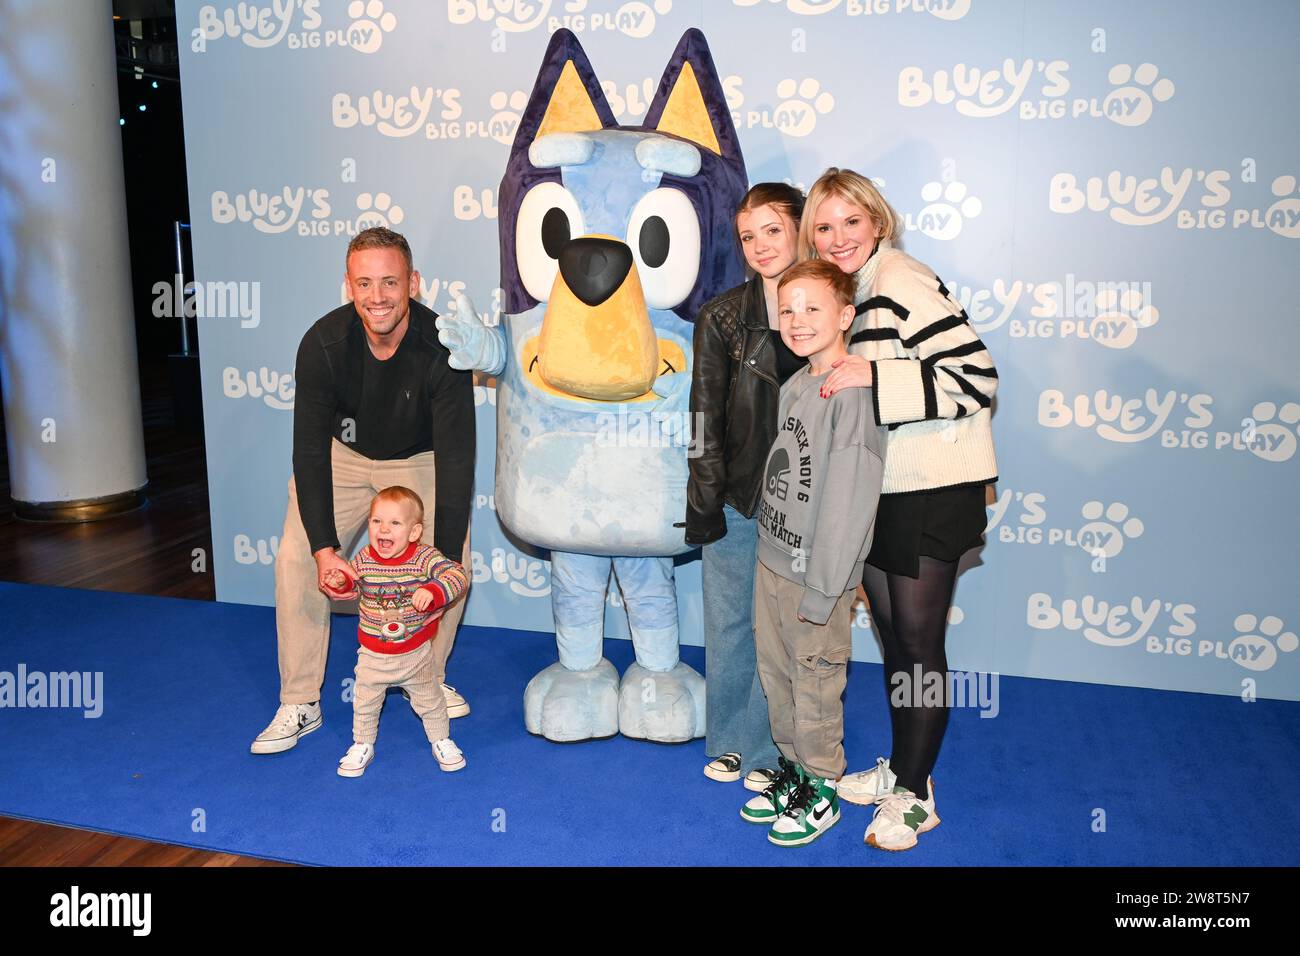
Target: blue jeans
[{"x": 735, "y": 707}]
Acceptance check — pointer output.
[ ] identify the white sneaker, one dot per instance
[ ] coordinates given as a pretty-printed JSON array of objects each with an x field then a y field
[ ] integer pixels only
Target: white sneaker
[
  {"x": 871, "y": 786},
  {"x": 726, "y": 769},
  {"x": 356, "y": 760},
  {"x": 291, "y": 721},
  {"x": 456, "y": 705},
  {"x": 900, "y": 816},
  {"x": 449, "y": 756},
  {"x": 760, "y": 778}
]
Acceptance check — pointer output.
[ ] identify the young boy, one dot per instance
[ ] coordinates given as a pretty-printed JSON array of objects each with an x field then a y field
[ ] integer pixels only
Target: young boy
[
  {"x": 821, "y": 486},
  {"x": 404, "y": 587}
]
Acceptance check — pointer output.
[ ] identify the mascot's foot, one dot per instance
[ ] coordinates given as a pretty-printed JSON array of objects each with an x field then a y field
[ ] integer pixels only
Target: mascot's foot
[
  {"x": 564, "y": 705},
  {"x": 667, "y": 707}
]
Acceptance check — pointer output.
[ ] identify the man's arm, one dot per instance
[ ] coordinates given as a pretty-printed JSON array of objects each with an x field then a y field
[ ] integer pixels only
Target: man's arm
[
  {"x": 453, "y": 454},
  {"x": 313, "y": 422}
]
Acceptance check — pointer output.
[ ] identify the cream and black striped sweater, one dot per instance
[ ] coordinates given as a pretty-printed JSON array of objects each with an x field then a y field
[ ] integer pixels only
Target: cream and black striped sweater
[{"x": 933, "y": 378}]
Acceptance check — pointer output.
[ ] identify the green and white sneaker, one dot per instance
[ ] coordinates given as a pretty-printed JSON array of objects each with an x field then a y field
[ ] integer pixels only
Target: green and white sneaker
[
  {"x": 767, "y": 806},
  {"x": 811, "y": 809},
  {"x": 900, "y": 816},
  {"x": 867, "y": 787}
]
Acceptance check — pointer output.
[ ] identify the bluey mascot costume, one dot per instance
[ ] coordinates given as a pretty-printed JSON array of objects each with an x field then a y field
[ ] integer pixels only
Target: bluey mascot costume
[{"x": 611, "y": 240}]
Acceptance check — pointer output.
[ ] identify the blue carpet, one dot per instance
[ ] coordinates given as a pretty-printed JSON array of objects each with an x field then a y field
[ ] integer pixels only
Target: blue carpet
[{"x": 1182, "y": 779}]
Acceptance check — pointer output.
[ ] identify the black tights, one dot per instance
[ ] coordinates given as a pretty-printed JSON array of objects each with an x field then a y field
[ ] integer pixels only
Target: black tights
[{"x": 911, "y": 615}]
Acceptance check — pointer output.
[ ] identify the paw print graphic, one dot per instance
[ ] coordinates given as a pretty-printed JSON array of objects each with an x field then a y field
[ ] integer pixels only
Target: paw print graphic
[
  {"x": 1283, "y": 217},
  {"x": 1258, "y": 651},
  {"x": 1136, "y": 93},
  {"x": 946, "y": 209},
  {"x": 800, "y": 104},
  {"x": 369, "y": 24},
  {"x": 1266, "y": 438},
  {"x": 507, "y": 109},
  {"x": 378, "y": 210},
  {"x": 1119, "y": 316},
  {"x": 1107, "y": 528}
]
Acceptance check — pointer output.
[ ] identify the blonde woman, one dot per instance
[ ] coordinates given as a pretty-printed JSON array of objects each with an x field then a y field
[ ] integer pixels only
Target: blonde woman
[{"x": 932, "y": 384}]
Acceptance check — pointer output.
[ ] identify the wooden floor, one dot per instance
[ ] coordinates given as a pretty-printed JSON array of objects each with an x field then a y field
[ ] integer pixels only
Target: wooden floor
[{"x": 149, "y": 551}]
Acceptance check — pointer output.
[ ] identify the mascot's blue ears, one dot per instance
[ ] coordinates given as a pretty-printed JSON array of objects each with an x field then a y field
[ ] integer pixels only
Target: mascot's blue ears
[
  {"x": 689, "y": 103},
  {"x": 566, "y": 98}
]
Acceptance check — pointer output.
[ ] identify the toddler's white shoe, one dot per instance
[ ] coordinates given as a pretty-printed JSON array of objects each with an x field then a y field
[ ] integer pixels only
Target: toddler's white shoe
[
  {"x": 356, "y": 760},
  {"x": 449, "y": 756}
]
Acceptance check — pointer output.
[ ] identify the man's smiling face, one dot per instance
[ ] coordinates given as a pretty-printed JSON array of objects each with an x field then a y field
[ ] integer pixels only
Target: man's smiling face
[{"x": 381, "y": 286}]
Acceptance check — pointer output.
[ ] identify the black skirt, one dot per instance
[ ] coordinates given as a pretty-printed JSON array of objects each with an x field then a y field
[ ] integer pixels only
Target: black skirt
[{"x": 942, "y": 524}]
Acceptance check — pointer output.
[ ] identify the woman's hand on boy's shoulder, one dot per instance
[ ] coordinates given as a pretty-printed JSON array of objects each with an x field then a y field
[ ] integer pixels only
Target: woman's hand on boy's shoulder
[{"x": 852, "y": 371}]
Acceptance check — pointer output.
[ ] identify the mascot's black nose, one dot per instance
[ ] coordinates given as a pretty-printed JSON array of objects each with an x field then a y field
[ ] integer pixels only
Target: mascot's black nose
[{"x": 594, "y": 268}]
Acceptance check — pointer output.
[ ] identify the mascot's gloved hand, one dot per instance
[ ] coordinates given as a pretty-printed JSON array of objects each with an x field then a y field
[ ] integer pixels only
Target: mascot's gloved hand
[
  {"x": 473, "y": 345},
  {"x": 672, "y": 415}
]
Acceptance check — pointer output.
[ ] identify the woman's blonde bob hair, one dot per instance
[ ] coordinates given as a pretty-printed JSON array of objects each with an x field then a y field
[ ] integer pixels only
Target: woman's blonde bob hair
[{"x": 853, "y": 188}]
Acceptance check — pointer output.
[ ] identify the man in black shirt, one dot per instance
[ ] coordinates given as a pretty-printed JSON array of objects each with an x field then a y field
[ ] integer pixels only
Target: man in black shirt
[{"x": 376, "y": 404}]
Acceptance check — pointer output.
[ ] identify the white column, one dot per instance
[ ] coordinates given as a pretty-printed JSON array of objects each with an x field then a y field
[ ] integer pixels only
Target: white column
[{"x": 67, "y": 335}]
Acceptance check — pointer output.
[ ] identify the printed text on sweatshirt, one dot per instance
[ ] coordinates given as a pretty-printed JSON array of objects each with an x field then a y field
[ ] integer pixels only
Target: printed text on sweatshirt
[
  {"x": 933, "y": 379},
  {"x": 820, "y": 488}
]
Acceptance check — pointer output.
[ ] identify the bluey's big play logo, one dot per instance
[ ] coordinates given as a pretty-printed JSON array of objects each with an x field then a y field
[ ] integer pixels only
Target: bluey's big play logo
[
  {"x": 1269, "y": 432},
  {"x": 1102, "y": 532},
  {"x": 305, "y": 210},
  {"x": 1108, "y": 312},
  {"x": 635, "y": 18},
  {"x": 295, "y": 23},
  {"x": 1036, "y": 89},
  {"x": 1162, "y": 627},
  {"x": 274, "y": 388},
  {"x": 526, "y": 576},
  {"x": 433, "y": 112},
  {"x": 1147, "y": 200},
  {"x": 941, "y": 9},
  {"x": 795, "y": 109}
]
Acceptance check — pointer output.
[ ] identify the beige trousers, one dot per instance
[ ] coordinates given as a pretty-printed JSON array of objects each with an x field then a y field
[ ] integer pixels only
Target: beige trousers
[
  {"x": 416, "y": 672},
  {"x": 302, "y": 612},
  {"x": 803, "y": 668}
]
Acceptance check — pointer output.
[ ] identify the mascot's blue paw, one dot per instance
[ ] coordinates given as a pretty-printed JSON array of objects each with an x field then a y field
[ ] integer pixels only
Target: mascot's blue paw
[
  {"x": 565, "y": 705},
  {"x": 667, "y": 707}
]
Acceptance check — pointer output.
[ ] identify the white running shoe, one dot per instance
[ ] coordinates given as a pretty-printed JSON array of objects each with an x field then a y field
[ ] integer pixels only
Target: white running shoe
[
  {"x": 291, "y": 721},
  {"x": 726, "y": 769},
  {"x": 456, "y": 705},
  {"x": 867, "y": 787},
  {"x": 356, "y": 760},
  {"x": 900, "y": 816},
  {"x": 760, "y": 778},
  {"x": 449, "y": 756}
]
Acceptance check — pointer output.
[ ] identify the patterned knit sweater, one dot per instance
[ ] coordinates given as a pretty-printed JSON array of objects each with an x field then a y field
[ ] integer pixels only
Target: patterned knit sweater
[
  {"x": 933, "y": 378},
  {"x": 387, "y": 586}
]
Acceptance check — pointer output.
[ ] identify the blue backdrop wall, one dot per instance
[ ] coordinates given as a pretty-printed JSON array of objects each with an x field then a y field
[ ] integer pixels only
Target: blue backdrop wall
[{"x": 1110, "y": 187}]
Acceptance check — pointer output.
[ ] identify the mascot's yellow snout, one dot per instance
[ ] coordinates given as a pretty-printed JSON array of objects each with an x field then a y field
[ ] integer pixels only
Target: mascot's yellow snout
[{"x": 597, "y": 341}]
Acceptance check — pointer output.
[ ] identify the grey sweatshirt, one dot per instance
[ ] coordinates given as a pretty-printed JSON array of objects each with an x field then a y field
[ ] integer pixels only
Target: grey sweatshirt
[{"x": 820, "y": 490}]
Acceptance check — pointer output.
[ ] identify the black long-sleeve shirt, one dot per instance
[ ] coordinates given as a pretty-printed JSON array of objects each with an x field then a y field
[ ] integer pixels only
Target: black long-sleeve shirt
[{"x": 412, "y": 402}]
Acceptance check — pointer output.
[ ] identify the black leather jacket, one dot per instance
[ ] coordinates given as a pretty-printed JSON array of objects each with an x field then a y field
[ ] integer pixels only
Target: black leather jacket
[{"x": 735, "y": 395}]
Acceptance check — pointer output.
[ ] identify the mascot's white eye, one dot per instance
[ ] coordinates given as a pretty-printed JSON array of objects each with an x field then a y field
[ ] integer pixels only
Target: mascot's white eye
[
  {"x": 664, "y": 234},
  {"x": 548, "y": 218}
]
